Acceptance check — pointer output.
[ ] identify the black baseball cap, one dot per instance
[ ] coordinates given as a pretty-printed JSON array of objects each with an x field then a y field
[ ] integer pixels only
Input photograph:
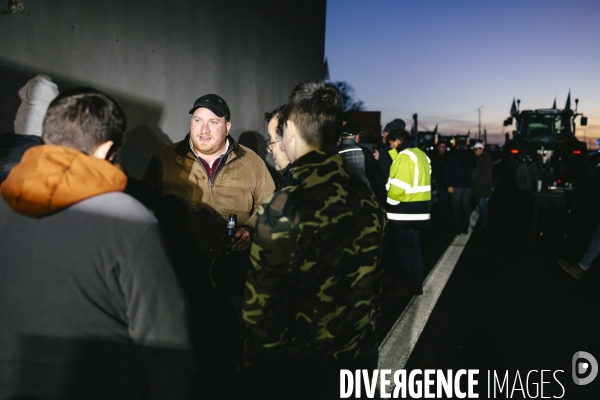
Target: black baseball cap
[
  {"x": 350, "y": 129},
  {"x": 214, "y": 103}
]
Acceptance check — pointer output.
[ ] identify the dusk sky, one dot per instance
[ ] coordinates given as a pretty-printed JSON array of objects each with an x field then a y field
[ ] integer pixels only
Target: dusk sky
[{"x": 444, "y": 59}]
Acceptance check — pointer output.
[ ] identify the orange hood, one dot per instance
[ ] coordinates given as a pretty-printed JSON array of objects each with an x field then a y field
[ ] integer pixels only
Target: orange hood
[{"x": 51, "y": 177}]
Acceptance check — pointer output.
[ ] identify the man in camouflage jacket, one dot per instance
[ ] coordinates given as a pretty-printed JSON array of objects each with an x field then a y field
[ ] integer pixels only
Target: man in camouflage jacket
[{"x": 312, "y": 295}]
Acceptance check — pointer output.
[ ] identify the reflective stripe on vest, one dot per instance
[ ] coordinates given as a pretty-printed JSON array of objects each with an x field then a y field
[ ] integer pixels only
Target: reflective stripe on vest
[
  {"x": 414, "y": 159},
  {"x": 399, "y": 183},
  {"x": 408, "y": 217},
  {"x": 407, "y": 187},
  {"x": 343, "y": 151}
]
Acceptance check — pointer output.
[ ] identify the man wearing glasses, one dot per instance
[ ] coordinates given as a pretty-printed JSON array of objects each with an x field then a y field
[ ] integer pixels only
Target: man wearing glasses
[
  {"x": 275, "y": 132},
  {"x": 312, "y": 294}
]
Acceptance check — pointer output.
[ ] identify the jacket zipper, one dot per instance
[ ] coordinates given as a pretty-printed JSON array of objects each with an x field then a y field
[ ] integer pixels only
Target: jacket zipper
[{"x": 211, "y": 181}]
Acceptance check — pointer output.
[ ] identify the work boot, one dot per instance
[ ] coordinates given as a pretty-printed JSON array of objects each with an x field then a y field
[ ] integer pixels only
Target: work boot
[{"x": 572, "y": 269}]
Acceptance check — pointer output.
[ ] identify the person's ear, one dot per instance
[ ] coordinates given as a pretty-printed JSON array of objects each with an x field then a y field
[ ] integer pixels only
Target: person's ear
[
  {"x": 103, "y": 150},
  {"x": 290, "y": 130}
]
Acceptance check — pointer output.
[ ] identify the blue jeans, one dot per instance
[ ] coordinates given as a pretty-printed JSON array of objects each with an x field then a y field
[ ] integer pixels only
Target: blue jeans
[
  {"x": 482, "y": 202},
  {"x": 592, "y": 250},
  {"x": 461, "y": 208}
]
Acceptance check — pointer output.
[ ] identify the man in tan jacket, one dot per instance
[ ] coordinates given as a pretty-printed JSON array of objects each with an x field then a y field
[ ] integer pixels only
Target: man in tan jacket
[
  {"x": 211, "y": 176},
  {"x": 200, "y": 181}
]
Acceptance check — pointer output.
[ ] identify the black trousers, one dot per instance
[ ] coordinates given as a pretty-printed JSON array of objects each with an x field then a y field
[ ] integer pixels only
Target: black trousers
[{"x": 408, "y": 246}]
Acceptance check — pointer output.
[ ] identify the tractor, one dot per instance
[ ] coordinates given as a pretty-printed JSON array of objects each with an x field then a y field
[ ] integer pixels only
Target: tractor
[{"x": 543, "y": 151}]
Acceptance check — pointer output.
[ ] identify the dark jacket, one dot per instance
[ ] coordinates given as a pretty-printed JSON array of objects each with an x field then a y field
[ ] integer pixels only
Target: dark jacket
[
  {"x": 482, "y": 177},
  {"x": 459, "y": 169},
  {"x": 385, "y": 161},
  {"x": 354, "y": 158},
  {"x": 438, "y": 163},
  {"x": 361, "y": 162},
  {"x": 12, "y": 147}
]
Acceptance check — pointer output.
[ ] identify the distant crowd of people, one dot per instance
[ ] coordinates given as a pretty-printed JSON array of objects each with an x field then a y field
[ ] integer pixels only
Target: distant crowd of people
[{"x": 111, "y": 292}]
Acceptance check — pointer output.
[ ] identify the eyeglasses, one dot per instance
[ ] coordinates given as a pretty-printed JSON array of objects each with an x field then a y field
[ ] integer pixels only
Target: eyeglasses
[{"x": 270, "y": 143}]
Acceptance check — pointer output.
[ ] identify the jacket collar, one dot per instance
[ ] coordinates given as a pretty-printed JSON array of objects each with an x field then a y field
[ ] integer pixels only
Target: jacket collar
[
  {"x": 234, "y": 150},
  {"x": 322, "y": 158},
  {"x": 406, "y": 145}
]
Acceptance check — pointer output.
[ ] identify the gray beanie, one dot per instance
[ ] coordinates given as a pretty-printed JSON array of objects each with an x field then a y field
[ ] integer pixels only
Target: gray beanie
[{"x": 36, "y": 96}]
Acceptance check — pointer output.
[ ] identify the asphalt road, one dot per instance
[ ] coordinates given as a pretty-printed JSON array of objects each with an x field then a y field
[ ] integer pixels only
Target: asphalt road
[{"x": 507, "y": 308}]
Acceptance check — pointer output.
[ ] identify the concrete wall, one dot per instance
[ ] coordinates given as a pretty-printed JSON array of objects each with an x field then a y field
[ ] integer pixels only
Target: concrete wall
[{"x": 156, "y": 57}]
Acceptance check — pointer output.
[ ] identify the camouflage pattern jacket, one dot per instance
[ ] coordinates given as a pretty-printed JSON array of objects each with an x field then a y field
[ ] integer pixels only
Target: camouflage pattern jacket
[{"x": 313, "y": 290}]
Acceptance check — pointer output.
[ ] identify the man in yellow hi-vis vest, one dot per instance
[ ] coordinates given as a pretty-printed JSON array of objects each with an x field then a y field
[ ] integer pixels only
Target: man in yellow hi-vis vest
[{"x": 408, "y": 206}]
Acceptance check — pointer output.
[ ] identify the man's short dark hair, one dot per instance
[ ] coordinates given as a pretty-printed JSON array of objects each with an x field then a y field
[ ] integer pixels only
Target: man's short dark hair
[
  {"x": 276, "y": 112},
  {"x": 82, "y": 118},
  {"x": 398, "y": 134},
  {"x": 316, "y": 108}
]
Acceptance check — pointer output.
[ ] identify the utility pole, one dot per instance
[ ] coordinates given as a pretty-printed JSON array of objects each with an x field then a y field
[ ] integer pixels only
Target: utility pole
[
  {"x": 416, "y": 126},
  {"x": 479, "y": 131}
]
